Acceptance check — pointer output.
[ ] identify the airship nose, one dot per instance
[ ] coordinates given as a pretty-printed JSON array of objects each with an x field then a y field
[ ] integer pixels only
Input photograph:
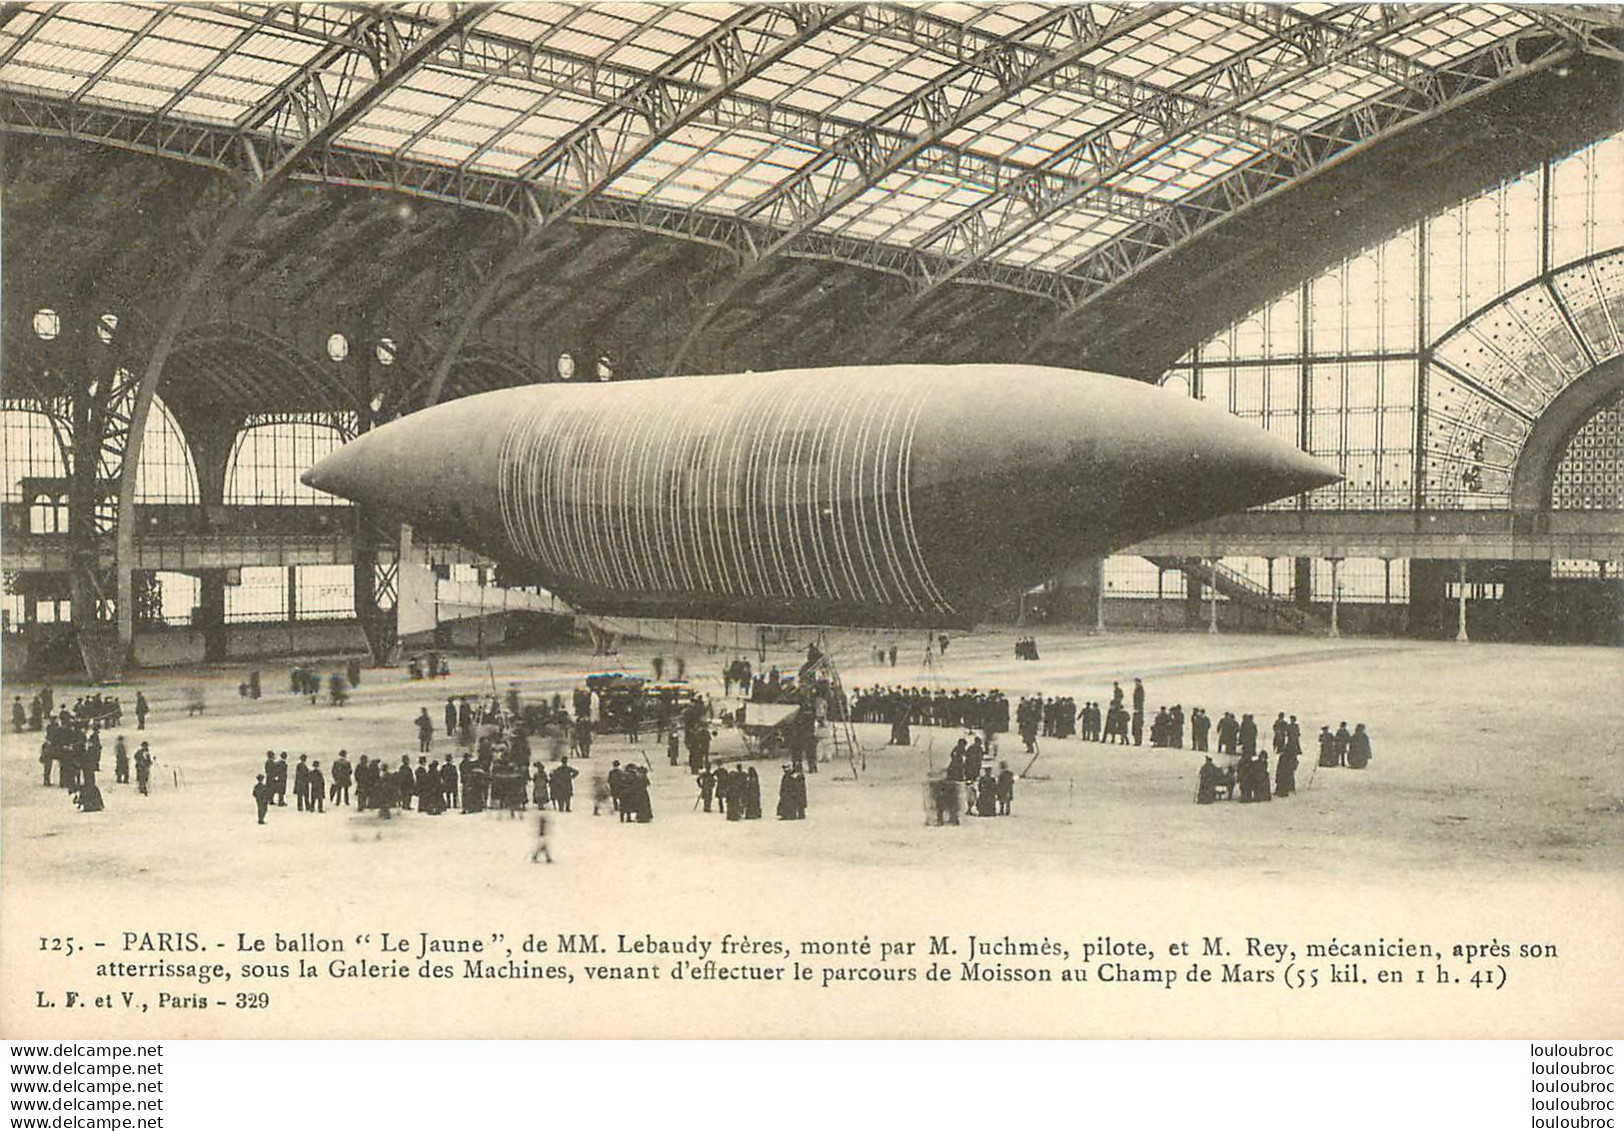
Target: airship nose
[
  {"x": 344, "y": 472},
  {"x": 1261, "y": 468}
]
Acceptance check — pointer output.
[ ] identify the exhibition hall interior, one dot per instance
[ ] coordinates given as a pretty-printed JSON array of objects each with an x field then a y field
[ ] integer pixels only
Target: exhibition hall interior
[{"x": 1021, "y": 287}]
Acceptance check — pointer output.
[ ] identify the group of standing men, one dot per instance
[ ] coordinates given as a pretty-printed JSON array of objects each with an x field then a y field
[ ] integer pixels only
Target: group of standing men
[{"x": 737, "y": 792}]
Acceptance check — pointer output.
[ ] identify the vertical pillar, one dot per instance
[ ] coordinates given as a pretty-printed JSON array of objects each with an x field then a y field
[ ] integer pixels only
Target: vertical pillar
[
  {"x": 211, "y": 613},
  {"x": 1460, "y": 631},
  {"x": 293, "y": 593},
  {"x": 85, "y": 397},
  {"x": 1336, "y": 595},
  {"x": 1099, "y": 594},
  {"x": 1212, "y": 597}
]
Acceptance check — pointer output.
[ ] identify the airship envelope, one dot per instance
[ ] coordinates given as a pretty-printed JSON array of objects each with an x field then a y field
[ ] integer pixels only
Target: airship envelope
[{"x": 890, "y": 495}]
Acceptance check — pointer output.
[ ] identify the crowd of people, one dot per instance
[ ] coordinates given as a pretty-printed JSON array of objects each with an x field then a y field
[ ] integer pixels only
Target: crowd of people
[
  {"x": 964, "y": 709},
  {"x": 95, "y": 709},
  {"x": 736, "y": 793},
  {"x": 72, "y": 745}
]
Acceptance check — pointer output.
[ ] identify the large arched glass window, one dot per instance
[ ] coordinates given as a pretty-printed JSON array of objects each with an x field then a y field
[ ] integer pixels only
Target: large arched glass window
[
  {"x": 166, "y": 473},
  {"x": 33, "y": 449},
  {"x": 1416, "y": 367},
  {"x": 271, "y": 454}
]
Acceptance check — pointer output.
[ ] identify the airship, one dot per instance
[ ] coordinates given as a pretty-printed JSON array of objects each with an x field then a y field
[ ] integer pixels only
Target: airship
[{"x": 878, "y": 496}]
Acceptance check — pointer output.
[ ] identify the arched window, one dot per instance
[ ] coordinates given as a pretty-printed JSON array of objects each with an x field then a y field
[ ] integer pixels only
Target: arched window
[
  {"x": 166, "y": 473},
  {"x": 33, "y": 449},
  {"x": 271, "y": 454},
  {"x": 1444, "y": 335}
]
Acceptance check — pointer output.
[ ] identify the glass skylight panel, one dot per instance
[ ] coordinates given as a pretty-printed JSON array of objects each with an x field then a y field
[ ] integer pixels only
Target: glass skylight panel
[
  {"x": 364, "y": 136},
  {"x": 809, "y": 98},
  {"x": 253, "y": 70},
  {"x": 129, "y": 17},
  {"x": 958, "y": 13},
  {"x": 205, "y": 29},
  {"x": 170, "y": 52},
  {"x": 581, "y": 43},
  {"x": 226, "y": 88},
  {"x": 130, "y": 94},
  {"x": 500, "y": 160},
  {"x": 412, "y": 104},
  {"x": 270, "y": 45},
  {"x": 196, "y": 107},
  {"x": 509, "y": 96},
  {"x": 439, "y": 81},
  {"x": 476, "y": 116},
  {"x": 517, "y": 23},
  {"x": 671, "y": 43},
  {"x": 442, "y": 151},
  {"x": 143, "y": 73},
  {"x": 92, "y": 38},
  {"x": 40, "y": 78},
  {"x": 395, "y": 120},
  {"x": 636, "y": 58}
]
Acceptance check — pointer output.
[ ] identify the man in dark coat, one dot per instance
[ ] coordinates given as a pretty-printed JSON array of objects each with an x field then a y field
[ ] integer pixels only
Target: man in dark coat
[
  {"x": 278, "y": 779},
  {"x": 450, "y": 717},
  {"x": 143, "y": 769},
  {"x": 1200, "y": 725},
  {"x": 426, "y": 782},
  {"x": 425, "y": 731},
  {"x": 707, "y": 786},
  {"x": 786, "y": 796},
  {"x": 342, "y": 773},
  {"x": 365, "y": 779},
  {"x": 317, "y": 784},
  {"x": 301, "y": 783},
  {"x": 262, "y": 796},
  {"x": 448, "y": 785},
  {"x": 1006, "y": 788},
  {"x": 724, "y": 784},
  {"x": 141, "y": 711},
  {"x": 972, "y": 760},
  {"x": 405, "y": 783},
  {"x": 563, "y": 782},
  {"x": 752, "y": 795},
  {"x": 736, "y": 786}
]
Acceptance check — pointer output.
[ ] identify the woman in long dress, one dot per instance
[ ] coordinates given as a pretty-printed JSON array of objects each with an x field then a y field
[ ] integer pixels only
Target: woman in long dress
[
  {"x": 786, "y": 796},
  {"x": 986, "y": 794},
  {"x": 752, "y": 795}
]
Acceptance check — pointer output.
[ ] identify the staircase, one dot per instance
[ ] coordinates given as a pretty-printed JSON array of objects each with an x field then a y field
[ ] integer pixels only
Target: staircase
[{"x": 1283, "y": 612}]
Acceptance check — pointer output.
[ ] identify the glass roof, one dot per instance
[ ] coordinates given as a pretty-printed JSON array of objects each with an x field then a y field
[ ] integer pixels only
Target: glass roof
[{"x": 899, "y": 125}]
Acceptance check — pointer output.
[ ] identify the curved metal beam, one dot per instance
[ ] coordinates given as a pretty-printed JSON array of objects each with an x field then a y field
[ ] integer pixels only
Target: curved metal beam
[
  {"x": 1196, "y": 103},
  {"x": 1547, "y": 442},
  {"x": 1351, "y": 132},
  {"x": 582, "y": 155},
  {"x": 926, "y": 118},
  {"x": 231, "y": 226}
]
